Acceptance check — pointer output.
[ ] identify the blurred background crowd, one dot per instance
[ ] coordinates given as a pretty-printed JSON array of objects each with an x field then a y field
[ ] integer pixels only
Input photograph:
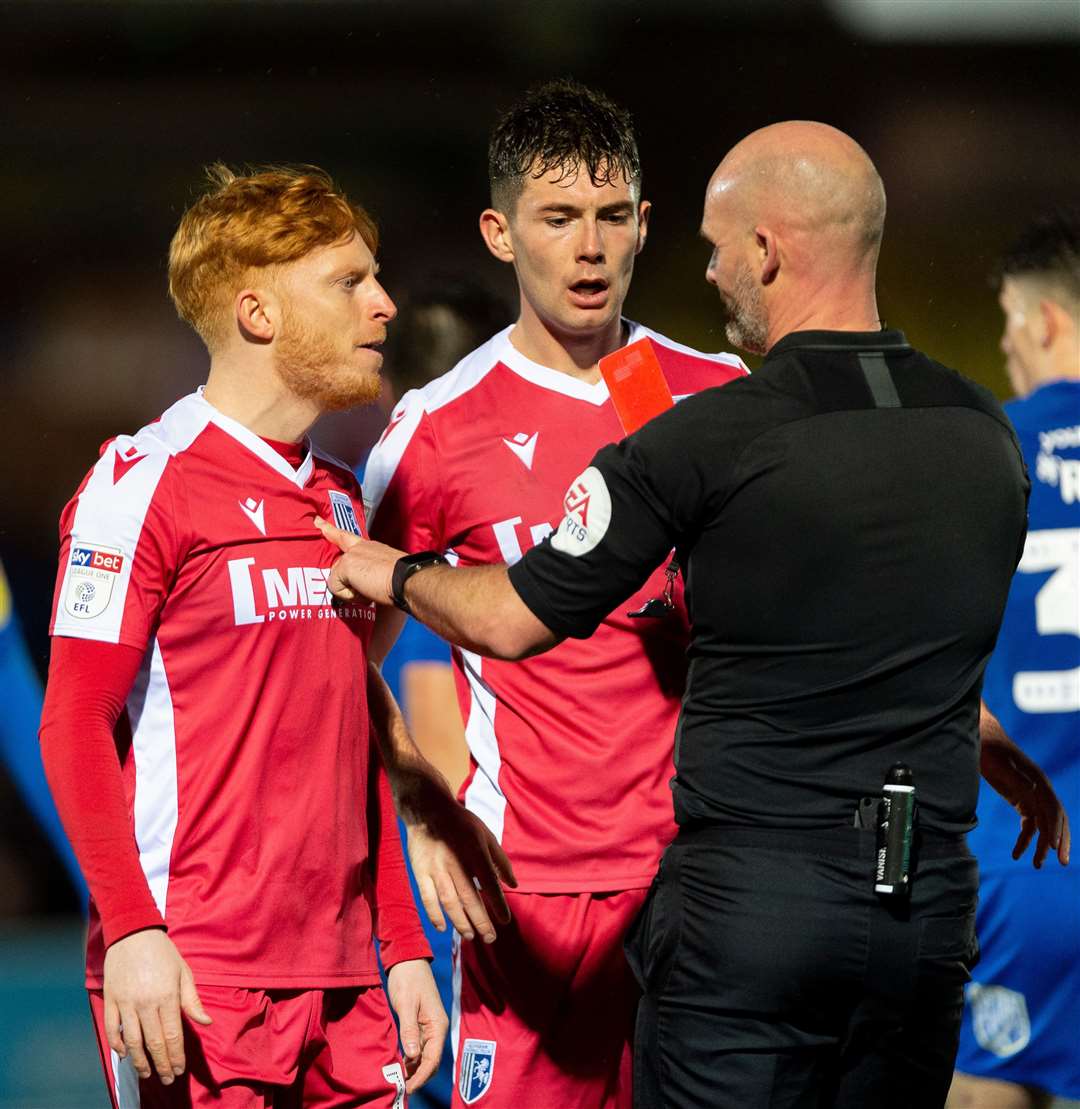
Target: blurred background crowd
[{"x": 111, "y": 109}]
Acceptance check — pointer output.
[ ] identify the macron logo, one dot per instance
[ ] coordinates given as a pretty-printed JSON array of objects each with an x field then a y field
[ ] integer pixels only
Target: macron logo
[
  {"x": 524, "y": 447},
  {"x": 254, "y": 512},
  {"x": 123, "y": 462},
  {"x": 395, "y": 419}
]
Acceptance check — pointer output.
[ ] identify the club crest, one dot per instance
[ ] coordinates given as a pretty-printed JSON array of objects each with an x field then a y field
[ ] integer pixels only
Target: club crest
[
  {"x": 999, "y": 1019},
  {"x": 344, "y": 513},
  {"x": 477, "y": 1068}
]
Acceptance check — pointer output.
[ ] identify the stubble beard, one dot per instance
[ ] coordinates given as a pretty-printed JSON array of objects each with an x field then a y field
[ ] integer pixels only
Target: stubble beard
[
  {"x": 310, "y": 365},
  {"x": 747, "y": 320}
]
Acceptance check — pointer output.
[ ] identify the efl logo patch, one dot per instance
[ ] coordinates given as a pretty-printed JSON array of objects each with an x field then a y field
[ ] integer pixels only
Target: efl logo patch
[
  {"x": 91, "y": 576},
  {"x": 477, "y": 1068},
  {"x": 344, "y": 513},
  {"x": 587, "y": 505},
  {"x": 999, "y": 1019}
]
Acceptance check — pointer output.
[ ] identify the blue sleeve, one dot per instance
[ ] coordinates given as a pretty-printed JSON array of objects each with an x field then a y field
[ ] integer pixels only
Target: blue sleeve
[
  {"x": 20, "y": 716},
  {"x": 415, "y": 644}
]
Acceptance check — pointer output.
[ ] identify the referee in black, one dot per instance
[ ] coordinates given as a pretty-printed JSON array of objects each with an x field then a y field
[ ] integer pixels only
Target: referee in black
[{"x": 848, "y": 520}]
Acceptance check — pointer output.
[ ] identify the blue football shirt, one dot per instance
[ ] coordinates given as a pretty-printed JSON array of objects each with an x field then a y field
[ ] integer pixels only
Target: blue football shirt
[{"x": 1032, "y": 681}]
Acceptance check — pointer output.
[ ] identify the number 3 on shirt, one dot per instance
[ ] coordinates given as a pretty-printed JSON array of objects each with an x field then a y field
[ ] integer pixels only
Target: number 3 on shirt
[{"x": 1057, "y": 612}]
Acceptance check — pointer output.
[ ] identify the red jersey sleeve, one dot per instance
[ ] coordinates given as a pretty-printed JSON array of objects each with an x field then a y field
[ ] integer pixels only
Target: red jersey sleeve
[
  {"x": 402, "y": 487},
  {"x": 119, "y": 545},
  {"x": 396, "y": 924},
  {"x": 119, "y": 550},
  {"x": 88, "y": 685}
]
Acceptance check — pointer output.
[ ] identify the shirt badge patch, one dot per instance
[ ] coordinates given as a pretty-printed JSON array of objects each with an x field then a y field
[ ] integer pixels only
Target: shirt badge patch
[
  {"x": 477, "y": 1068},
  {"x": 587, "y": 505},
  {"x": 344, "y": 513},
  {"x": 999, "y": 1019},
  {"x": 92, "y": 573}
]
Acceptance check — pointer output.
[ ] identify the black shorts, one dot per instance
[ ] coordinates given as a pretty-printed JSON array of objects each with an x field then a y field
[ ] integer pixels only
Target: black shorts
[{"x": 774, "y": 977}]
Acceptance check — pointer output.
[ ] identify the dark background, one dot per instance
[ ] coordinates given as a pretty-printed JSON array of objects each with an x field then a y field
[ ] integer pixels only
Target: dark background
[{"x": 110, "y": 110}]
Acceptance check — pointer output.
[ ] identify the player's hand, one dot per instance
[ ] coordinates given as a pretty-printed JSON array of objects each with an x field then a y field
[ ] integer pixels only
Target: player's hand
[
  {"x": 365, "y": 569},
  {"x": 147, "y": 986},
  {"x": 452, "y": 853},
  {"x": 1024, "y": 785},
  {"x": 422, "y": 1020}
]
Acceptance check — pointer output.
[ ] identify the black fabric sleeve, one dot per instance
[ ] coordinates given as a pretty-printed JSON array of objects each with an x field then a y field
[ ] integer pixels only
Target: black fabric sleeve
[{"x": 636, "y": 501}]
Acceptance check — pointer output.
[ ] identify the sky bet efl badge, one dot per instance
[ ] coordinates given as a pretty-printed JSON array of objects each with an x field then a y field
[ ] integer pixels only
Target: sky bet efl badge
[
  {"x": 344, "y": 513},
  {"x": 91, "y": 576},
  {"x": 477, "y": 1067}
]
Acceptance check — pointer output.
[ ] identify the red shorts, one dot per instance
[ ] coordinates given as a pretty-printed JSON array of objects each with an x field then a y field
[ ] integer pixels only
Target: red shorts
[
  {"x": 544, "y": 1016},
  {"x": 285, "y": 1049}
]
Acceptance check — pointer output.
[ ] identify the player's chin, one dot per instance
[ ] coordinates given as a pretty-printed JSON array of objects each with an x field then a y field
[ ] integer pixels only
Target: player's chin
[{"x": 352, "y": 388}]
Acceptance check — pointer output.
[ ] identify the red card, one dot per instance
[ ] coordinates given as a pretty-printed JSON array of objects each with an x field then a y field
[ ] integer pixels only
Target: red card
[{"x": 636, "y": 383}]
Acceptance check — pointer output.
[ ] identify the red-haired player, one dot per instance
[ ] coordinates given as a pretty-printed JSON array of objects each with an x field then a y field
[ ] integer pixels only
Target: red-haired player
[{"x": 206, "y": 727}]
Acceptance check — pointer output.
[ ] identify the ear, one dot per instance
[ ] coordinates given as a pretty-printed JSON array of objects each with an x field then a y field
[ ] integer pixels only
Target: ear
[
  {"x": 495, "y": 231},
  {"x": 644, "y": 208},
  {"x": 253, "y": 315},
  {"x": 768, "y": 254},
  {"x": 1051, "y": 323}
]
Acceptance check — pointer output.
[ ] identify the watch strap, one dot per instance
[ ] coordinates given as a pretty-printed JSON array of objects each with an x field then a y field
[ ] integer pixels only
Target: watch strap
[{"x": 404, "y": 569}]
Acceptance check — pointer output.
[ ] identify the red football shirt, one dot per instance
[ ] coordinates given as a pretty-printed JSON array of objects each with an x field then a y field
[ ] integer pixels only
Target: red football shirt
[
  {"x": 245, "y": 745},
  {"x": 571, "y": 750}
]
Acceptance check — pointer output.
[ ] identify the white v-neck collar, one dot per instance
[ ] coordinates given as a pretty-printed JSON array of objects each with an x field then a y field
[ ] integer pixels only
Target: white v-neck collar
[
  {"x": 258, "y": 446},
  {"x": 556, "y": 381}
]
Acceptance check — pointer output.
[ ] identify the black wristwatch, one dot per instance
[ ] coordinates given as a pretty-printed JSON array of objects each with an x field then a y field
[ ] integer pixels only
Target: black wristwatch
[{"x": 404, "y": 569}]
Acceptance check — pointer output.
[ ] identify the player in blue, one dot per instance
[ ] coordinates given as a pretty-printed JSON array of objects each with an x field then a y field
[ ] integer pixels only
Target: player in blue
[
  {"x": 20, "y": 713},
  {"x": 1020, "y": 1044},
  {"x": 418, "y": 673}
]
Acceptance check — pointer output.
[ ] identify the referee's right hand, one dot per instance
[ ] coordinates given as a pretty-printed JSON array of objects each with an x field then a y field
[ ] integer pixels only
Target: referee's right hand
[{"x": 147, "y": 986}]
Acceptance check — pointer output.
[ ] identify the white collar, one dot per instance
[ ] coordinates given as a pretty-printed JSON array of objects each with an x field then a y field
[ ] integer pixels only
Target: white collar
[
  {"x": 258, "y": 446},
  {"x": 557, "y": 381}
]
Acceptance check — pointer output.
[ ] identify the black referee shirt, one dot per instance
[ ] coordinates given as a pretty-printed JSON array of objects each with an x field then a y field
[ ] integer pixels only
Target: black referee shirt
[{"x": 848, "y": 520}]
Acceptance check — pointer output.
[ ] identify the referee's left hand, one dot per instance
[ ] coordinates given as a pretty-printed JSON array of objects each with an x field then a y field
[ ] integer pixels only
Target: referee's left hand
[{"x": 422, "y": 1021}]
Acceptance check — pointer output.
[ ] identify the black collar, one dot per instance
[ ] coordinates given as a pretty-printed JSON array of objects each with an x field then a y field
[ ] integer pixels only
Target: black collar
[{"x": 839, "y": 341}]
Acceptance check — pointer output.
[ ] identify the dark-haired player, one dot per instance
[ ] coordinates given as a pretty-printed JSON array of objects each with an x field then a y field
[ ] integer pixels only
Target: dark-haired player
[
  {"x": 1018, "y": 1044},
  {"x": 441, "y": 318},
  {"x": 206, "y": 726},
  {"x": 570, "y": 753}
]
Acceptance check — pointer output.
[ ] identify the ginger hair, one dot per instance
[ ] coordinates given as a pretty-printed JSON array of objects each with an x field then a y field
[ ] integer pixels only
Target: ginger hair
[{"x": 244, "y": 223}]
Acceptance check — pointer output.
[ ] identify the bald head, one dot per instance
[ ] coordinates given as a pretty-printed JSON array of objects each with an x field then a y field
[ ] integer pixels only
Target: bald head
[
  {"x": 803, "y": 208},
  {"x": 810, "y": 179}
]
